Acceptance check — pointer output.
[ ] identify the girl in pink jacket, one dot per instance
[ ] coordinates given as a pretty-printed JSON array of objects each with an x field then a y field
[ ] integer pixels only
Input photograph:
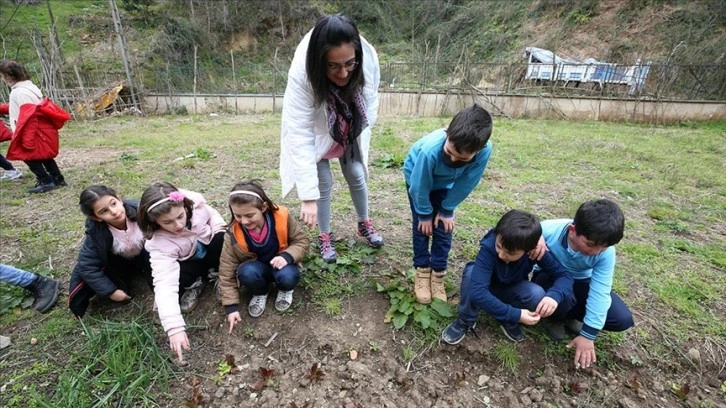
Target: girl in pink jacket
[{"x": 184, "y": 240}]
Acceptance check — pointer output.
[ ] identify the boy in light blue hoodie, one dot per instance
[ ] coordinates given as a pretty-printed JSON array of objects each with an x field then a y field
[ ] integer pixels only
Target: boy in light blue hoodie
[{"x": 441, "y": 169}]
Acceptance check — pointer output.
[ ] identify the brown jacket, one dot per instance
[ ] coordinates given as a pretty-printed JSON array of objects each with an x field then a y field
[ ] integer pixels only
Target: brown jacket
[{"x": 235, "y": 253}]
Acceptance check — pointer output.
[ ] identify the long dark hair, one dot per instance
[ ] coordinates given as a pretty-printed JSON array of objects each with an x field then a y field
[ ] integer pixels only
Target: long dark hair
[
  {"x": 90, "y": 195},
  {"x": 333, "y": 31},
  {"x": 14, "y": 71},
  {"x": 159, "y": 191}
]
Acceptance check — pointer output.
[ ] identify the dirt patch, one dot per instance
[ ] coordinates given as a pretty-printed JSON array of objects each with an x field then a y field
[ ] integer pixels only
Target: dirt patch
[{"x": 382, "y": 374}]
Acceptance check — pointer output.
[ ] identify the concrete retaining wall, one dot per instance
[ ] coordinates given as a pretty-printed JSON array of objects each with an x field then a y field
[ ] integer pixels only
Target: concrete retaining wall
[{"x": 515, "y": 106}]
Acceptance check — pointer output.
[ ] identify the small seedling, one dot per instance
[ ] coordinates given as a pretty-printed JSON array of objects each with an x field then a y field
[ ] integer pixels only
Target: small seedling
[
  {"x": 332, "y": 306},
  {"x": 315, "y": 373},
  {"x": 681, "y": 391},
  {"x": 197, "y": 399},
  {"x": 266, "y": 379},
  {"x": 249, "y": 332},
  {"x": 225, "y": 367},
  {"x": 507, "y": 356},
  {"x": 373, "y": 346},
  {"x": 460, "y": 377},
  {"x": 408, "y": 353}
]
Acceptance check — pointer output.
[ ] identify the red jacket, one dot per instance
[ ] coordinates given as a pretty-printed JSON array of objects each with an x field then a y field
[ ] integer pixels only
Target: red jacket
[{"x": 36, "y": 134}]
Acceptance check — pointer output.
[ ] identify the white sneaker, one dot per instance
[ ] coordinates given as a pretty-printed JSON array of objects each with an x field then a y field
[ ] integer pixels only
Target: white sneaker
[
  {"x": 11, "y": 175},
  {"x": 190, "y": 298},
  {"x": 257, "y": 305},
  {"x": 284, "y": 300}
]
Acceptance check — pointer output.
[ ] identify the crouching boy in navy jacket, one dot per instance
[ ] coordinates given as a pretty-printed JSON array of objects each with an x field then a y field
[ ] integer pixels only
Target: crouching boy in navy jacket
[{"x": 497, "y": 281}]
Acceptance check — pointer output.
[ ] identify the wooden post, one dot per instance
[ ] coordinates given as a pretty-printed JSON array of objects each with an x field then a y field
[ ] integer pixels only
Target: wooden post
[
  {"x": 194, "y": 91},
  {"x": 124, "y": 52},
  {"x": 234, "y": 82}
]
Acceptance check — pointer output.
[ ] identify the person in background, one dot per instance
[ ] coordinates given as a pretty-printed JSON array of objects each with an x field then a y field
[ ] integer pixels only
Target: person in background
[{"x": 34, "y": 122}]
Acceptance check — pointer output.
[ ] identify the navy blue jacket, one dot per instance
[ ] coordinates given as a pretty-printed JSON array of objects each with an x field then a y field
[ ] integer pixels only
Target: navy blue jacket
[
  {"x": 94, "y": 255},
  {"x": 489, "y": 269}
]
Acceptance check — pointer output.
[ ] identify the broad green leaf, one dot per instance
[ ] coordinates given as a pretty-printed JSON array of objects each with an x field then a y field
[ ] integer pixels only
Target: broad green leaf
[
  {"x": 442, "y": 308},
  {"x": 399, "y": 320}
]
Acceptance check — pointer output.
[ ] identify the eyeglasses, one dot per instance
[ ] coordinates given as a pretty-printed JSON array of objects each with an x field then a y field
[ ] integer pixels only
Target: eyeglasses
[{"x": 349, "y": 66}]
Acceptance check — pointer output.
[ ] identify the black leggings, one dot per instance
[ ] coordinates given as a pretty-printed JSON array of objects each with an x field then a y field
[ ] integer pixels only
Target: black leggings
[
  {"x": 192, "y": 269},
  {"x": 46, "y": 171},
  {"x": 5, "y": 164}
]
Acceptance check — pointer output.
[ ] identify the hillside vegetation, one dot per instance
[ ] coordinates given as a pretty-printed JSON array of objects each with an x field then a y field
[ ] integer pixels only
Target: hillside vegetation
[{"x": 164, "y": 33}]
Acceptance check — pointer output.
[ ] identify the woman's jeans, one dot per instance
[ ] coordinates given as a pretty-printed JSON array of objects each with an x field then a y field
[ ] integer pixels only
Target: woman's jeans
[{"x": 355, "y": 175}]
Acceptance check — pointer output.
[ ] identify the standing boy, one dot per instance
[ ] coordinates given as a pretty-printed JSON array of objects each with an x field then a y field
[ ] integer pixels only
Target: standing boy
[
  {"x": 441, "y": 169},
  {"x": 585, "y": 247},
  {"x": 498, "y": 280}
]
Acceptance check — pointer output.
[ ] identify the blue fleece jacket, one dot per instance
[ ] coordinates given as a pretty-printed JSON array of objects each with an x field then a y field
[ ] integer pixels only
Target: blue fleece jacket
[
  {"x": 598, "y": 268},
  {"x": 489, "y": 269},
  {"x": 425, "y": 171}
]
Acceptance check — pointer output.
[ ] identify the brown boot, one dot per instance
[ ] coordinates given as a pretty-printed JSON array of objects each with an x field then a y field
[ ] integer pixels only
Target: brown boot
[
  {"x": 422, "y": 285},
  {"x": 437, "y": 285}
]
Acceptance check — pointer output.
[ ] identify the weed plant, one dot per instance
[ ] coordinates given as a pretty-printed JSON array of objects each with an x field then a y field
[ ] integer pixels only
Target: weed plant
[
  {"x": 119, "y": 365},
  {"x": 330, "y": 283}
]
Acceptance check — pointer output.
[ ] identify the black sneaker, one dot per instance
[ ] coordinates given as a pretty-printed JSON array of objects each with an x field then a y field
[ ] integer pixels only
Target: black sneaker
[
  {"x": 555, "y": 329},
  {"x": 46, "y": 293},
  {"x": 513, "y": 332},
  {"x": 455, "y": 332},
  {"x": 42, "y": 188}
]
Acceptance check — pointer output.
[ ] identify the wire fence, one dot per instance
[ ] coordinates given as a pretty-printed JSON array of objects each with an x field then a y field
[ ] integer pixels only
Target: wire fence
[{"x": 88, "y": 92}]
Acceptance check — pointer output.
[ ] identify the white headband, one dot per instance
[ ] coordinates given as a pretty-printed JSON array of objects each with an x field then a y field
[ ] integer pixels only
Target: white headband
[
  {"x": 252, "y": 193},
  {"x": 175, "y": 196}
]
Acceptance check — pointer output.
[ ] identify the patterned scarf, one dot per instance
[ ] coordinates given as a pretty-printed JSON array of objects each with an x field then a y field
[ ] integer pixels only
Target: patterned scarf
[{"x": 345, "y": 124}]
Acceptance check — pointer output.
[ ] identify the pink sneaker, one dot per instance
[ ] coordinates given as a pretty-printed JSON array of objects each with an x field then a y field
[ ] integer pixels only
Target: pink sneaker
[
  {"x": 327, "y": 249},
  {"x": 365, "y": 229}
]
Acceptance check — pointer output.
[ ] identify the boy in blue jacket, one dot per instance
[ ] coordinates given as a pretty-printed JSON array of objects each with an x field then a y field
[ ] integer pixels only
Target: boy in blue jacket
[
  {"x": 441, "y": 169},
  {"x": 585, "y": 246},
  {"x": 497, "y": 281}
]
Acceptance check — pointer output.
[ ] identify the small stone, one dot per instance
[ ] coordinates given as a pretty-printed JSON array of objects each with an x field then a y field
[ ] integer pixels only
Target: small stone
[
  {"x": 536, "y": 395},
  {"x": 5, "y": 342},
  {"x": 483, "y": 379},
  {"x": 694, "y": 354},
  {"x": 353, "y": 354},
  {"x": 253, "y": 396},
  {"x": 219, "y": 393},
  {"x": 34, "y": 341},
  {"x": 627, "y": 403}
]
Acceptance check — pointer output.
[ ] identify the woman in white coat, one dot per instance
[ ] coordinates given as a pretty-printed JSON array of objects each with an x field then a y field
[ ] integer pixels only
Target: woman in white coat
[{"x": 330, "y": 106}]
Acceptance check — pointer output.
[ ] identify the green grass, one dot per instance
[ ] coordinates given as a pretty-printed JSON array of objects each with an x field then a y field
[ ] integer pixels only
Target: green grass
[
  {"x": 669, "y": 182},
  {"x": 118, "y": 364}
]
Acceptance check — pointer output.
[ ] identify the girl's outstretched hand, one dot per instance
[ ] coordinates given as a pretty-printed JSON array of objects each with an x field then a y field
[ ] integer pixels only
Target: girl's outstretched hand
[
  {"x": 119, "y": 295},
  {"x": 309, "y": 213},
  {"x": 179, "y": 342},
  {"x": 233, "y": 318},
  {"x": 278, "y": 262}
]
